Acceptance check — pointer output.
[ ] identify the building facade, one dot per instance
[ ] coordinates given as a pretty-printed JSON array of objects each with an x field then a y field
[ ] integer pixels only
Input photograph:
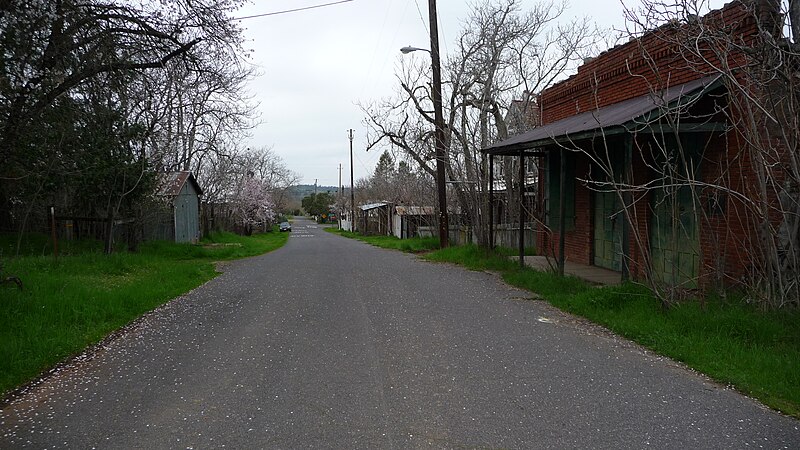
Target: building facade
[{"x": 644, "y": 166}]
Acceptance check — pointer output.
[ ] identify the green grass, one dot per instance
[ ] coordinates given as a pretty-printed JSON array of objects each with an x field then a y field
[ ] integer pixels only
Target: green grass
[
  {"x": 33, "y": 244},
  {"x": 75, "y": 300},
  {"x": 508, "y": 251},
  {"x": 473, "y": 258},
  {"x": 734, "y": 343},
  {"x": 412, "y": 245}
]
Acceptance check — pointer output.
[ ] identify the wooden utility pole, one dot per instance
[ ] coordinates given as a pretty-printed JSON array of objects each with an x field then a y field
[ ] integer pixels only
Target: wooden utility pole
[
  {"x": 444, "y": 239},
  {"x": 352, "y": 186}
]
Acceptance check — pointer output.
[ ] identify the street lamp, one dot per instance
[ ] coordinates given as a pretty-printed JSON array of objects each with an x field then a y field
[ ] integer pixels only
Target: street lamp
[
  {"x": 409, "y": 49},
  {"x": 438, "y": 121}
]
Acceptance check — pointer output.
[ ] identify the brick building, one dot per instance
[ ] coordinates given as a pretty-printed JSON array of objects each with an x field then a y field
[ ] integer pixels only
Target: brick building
[{"x": 646, "y": 140}]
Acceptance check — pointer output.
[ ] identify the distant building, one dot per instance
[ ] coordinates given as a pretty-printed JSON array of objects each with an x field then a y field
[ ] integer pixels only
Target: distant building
[
  {"x": 375, "y": 219},
  {"x": 407, "y": 220}
]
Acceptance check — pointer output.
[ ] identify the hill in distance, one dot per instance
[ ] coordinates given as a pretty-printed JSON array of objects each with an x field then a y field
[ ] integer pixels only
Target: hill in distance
[{"x": 304, "y": 190}]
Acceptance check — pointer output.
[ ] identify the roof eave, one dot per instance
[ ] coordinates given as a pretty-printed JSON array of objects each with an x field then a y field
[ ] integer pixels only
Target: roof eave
[{"x": 639, "y": 123}]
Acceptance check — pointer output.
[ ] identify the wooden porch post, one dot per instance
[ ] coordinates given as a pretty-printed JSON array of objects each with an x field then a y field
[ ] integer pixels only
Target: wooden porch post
[
  {"x": 627, "y": 200},
  {"x": 522, "y": 208},
  {"x": 491, "y": 201},
  {"x": 562, "y": 204}
]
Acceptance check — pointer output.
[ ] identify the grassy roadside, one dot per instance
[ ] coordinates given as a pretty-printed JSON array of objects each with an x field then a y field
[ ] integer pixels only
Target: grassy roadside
[
  {"x": 74, "y": 301},
  {"x": 735, "y": 344},
  {"x": 415, "y": 245}
]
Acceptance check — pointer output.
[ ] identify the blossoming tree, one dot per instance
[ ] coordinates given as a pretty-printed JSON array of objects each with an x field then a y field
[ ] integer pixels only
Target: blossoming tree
[{"x": 253, "y": 205}]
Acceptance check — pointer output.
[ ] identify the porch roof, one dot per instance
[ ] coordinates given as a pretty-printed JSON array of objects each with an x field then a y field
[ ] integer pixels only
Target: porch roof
[{"x": 634, "y": 115}]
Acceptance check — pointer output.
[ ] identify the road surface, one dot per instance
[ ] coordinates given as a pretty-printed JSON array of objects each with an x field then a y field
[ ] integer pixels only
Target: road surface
[{"x": 331, "y": 343}]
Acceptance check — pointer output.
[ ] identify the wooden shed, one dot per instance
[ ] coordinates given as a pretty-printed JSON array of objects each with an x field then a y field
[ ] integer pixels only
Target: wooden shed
[
  {"x": 406, "y": 220},
  {"x": 182, "y": 195}
]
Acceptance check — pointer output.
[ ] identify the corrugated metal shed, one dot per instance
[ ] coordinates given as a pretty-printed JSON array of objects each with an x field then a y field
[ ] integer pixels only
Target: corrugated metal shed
[{"x": 184, "y": 196}]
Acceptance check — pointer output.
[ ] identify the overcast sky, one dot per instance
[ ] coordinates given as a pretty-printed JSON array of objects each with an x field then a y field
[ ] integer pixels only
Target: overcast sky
[{"x": 317, "y": 64}]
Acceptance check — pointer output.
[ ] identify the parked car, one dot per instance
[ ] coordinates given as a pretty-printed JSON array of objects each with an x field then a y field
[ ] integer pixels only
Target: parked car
[{"x": 286, "y": 226}]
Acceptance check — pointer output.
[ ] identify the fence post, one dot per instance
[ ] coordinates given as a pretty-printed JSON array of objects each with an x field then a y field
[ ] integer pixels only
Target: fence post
[{"x": 53, "y": 230}]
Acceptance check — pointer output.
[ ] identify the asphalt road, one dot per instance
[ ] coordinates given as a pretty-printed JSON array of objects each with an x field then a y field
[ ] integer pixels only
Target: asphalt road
[{"x": 331, "y": 343}]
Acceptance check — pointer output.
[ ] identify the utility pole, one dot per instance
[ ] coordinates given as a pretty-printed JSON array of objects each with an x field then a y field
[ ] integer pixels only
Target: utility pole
[
  {"x": 340, "y": 179},
  {"x": 444, "y": 239},
  {"x": 352, "y": 186},
  {"x": 315, "y": 186}
]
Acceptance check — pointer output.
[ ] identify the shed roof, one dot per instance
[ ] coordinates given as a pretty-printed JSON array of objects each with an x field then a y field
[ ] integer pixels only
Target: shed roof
[
  {"x": 630, "y": 115},
  {"x": 414, "y": 210},
  {"x": 373, "y": 206},
  {"x": 171, "y": 183}
]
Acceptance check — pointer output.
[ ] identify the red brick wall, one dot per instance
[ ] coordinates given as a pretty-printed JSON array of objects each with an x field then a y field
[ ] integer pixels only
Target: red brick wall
[{"x": 631, "y": 70}]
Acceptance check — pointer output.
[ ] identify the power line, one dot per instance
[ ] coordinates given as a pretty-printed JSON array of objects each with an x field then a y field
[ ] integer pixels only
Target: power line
[
  {"x": 424, "y": 22},
  {"x": 290, "y": 10},
  {"x": 375, "y": 50}
]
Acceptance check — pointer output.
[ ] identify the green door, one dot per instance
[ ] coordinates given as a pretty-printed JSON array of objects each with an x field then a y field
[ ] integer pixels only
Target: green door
[
  {"x": 674, "y": 239},
  {"x": 674, "y": 236},
  {"x": 608, "y": 221}
]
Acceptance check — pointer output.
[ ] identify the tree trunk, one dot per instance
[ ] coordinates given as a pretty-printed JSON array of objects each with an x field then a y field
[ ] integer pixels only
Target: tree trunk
[{"x": 109, "y": 233}]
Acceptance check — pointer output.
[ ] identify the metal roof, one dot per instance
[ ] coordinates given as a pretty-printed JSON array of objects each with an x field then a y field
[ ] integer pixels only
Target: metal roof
[
  {"x": 171, "y": 183},
  {"x": 372, "y": 206},
  {"x": 403, "y": 210},
  {"x": 626, "y": 116}
]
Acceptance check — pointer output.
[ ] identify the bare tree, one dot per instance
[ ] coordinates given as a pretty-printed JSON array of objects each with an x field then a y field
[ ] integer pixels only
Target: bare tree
[
  {"x": 502, "y": 52},
  {"x": 194, "y": 111},
  {"x": 396, "y": 183}
]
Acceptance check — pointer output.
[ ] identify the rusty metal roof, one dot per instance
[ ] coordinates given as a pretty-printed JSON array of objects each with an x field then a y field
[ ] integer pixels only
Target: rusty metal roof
[
  {"x": 171, "y": 183},
  {"x": 414, "y": 210},
  {"x": 626, "y": 116}
]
